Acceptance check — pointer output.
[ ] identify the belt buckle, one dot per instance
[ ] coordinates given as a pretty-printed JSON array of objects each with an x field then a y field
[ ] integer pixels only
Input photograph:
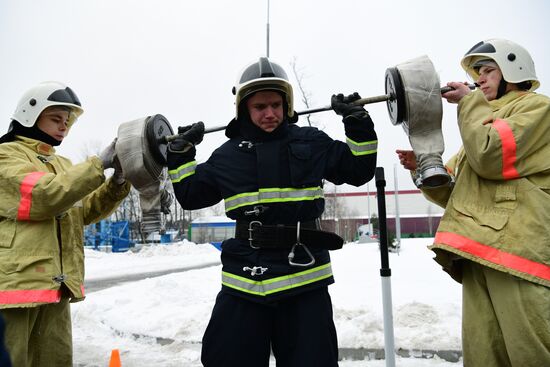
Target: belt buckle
[{"x": 250, "y": 230}]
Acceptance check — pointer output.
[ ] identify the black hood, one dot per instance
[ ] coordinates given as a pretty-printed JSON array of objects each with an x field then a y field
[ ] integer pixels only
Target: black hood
[
  {"x": 29, "y": 132},
  {"x": 243, "y": 127}
]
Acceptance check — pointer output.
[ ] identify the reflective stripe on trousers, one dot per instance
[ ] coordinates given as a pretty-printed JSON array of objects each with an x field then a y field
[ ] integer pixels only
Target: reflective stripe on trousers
[{"x": 279, "y": 284}]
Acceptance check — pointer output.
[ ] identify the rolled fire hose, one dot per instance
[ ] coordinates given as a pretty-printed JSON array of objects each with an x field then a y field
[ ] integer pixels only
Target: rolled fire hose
[
  {"x": 143, "y": 166},
  {"x": 422, "y": 122}
]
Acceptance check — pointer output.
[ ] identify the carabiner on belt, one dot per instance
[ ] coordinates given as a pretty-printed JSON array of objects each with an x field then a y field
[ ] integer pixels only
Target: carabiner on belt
[
  {"x": 298, "y": 243},
  {"x": 250, "y": 230}
]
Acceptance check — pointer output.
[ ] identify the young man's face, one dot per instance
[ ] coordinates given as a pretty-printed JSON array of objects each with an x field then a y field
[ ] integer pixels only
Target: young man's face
[
  {"x": 54, "y": 121},
  {"x": 489, "y": 80},
  {"x": 266, "y": 110}
]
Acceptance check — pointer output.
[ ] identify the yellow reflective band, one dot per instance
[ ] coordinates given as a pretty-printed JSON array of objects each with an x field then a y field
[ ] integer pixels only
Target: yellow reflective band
[
  {"x": 186, "y": 170},
  {"x": 363, "y": 148},
  {"x": 273, "y": 195},
  {"x": 279, "y": 284}
]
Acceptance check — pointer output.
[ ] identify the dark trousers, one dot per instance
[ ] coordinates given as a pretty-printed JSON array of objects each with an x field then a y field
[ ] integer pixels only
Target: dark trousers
[
  {"x": 4, "y": 357},
  {"x": 300, "y": 331}
]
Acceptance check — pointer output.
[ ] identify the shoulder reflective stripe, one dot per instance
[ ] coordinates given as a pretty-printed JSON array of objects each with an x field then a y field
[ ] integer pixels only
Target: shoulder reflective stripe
[
  {"x": 24, "y": 210},
  {"x": 29, "y": 296},
  {"x": 186, "y": 170},
  {"x": 273, "y": 195},
  {"x": 493, "y": 255},
  {"x": 363, "y": 148},
  {"x": 508, "y": 149},
  {"x": 279, "y": 284}
]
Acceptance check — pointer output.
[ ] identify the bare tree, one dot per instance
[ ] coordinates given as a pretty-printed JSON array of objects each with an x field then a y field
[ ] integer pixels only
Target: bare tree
[
  {"x": 89, "y": 148},
  {"x": 335, "y": 208},
  {"x": 306, "y": 95}
]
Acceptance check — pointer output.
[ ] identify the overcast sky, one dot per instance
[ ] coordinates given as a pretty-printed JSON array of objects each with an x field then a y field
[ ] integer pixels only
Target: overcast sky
[{"x": 128, "y": 59}]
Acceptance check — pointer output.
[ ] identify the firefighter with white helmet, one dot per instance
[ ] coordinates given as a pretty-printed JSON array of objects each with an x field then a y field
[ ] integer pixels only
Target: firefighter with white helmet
[
  {"x": 514, "y": 62},
  {"x": 270, "y": 175},
  {"x": 45, "y": 201},
  {"x": 494, "y": 236}
]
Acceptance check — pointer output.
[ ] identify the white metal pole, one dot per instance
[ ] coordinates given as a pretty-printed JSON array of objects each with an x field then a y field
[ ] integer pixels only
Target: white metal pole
[
  {"x": 267, "y": 30},
  {"x": 389, "y": 346},
  {"x": 397, "y": 217}
]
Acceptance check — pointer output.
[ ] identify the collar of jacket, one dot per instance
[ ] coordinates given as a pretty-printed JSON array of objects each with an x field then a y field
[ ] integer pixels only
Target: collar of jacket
[
  {"x": 36, "y": 145},
  {"x": 244, "y": 128},
  {"x": 498, "y": 103}
]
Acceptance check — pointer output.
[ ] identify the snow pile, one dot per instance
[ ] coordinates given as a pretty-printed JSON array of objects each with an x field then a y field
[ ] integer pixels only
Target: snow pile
[
  {"x": 160, "y": 321},
  {"x": 149, "y": 258}
]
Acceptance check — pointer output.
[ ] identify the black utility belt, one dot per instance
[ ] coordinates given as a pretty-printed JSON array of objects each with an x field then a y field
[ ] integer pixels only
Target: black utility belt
[{"x": 279, "y": 236}]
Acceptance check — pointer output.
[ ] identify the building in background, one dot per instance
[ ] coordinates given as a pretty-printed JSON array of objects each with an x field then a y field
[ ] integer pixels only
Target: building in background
[
  {"x": 213, "y": 229},
  {"x": 417, "y": 216}
]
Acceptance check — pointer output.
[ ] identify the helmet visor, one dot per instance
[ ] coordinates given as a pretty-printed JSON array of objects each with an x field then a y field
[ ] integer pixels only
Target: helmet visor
[
  {"x": 481, "y": 48},
  {"x": 64, "y": 96}
]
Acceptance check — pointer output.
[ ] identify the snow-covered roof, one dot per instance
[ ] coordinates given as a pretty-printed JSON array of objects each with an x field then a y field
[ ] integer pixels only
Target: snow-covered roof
[{"x": 213, "y": 219}]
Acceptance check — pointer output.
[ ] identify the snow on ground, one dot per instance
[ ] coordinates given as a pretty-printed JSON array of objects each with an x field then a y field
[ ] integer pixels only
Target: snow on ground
[{"x": 160, "y": 321}]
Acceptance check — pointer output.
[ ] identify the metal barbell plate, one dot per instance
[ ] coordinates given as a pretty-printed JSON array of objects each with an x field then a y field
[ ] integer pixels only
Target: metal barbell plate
[
  {"x": 396, "y": 104},
  {"x": 157, "y": 127}
]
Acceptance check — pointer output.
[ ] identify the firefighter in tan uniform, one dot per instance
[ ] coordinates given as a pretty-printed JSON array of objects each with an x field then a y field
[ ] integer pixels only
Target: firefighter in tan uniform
[
  {"x": 45, "y": 201},
  {"x": 494, "y": 237}
]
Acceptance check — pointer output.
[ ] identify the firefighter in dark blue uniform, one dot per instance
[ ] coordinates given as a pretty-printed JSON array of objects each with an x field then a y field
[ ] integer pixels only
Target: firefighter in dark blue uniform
[{"x": 270, "y": 175}]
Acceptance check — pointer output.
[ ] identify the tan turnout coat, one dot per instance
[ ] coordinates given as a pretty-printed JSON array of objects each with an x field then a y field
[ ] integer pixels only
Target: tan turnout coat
[
  {"x": 45, "y": 201},
  {"x": 498, "y": 212}
]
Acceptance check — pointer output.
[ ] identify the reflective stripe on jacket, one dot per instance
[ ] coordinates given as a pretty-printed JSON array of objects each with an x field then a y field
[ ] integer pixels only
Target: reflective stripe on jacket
[
  {"x": 498, "y": 212},
  {"x": 273, "y": 195},
  {"x": 45, "y": 201}
]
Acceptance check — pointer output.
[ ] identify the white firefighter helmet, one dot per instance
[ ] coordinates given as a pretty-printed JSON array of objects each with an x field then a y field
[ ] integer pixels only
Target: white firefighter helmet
[
  {"x": 263, "y": 75},
  {"x": 42, "y": 96},
  {"x": 514, "y": 61}
]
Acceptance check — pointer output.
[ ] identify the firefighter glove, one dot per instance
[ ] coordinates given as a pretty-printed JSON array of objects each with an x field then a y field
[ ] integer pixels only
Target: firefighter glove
[
  {"x": 188, "y": 137},
  {"x": 118, "y": 175},
  {"x": 343, "y": 106},
  {"x": 108, "y": 155}
]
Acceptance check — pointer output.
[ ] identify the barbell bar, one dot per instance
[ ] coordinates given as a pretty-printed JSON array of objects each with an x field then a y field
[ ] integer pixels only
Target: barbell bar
[{"x": 390, "y": 98}]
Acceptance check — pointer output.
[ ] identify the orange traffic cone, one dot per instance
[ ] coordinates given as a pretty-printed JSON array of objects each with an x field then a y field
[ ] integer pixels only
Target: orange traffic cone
[{"x": 115, "y": 359}]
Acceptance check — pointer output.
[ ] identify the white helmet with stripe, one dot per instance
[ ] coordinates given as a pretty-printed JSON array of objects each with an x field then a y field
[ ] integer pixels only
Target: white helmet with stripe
[
  {"x": 45, "y": 95},
  {"x": 514, "y": 61}
]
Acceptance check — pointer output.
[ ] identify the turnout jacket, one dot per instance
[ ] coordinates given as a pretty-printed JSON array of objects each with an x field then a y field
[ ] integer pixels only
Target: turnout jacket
[
  {"x": 498, "y": 212},
  {"x": 45, "y": 201},
  {"x": 274, "y": 178}
]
